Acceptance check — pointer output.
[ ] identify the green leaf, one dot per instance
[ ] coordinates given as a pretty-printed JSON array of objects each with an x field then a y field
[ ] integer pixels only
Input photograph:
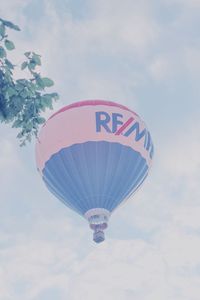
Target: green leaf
[
  {"x": 28, "y": 137},
  {"x": 2, "y": 29},
  {"x": 23, "y": 144},
  {"x": 31, "y": 91},
  {"x": 2, "y": 52},
  {"x": 20, "y": 135},
  {"x": 18, "y": 101},
  {"x": 9, "y": 45},
  {"x": 17, "y": 124},
  {"x": 41, "y": 120},
  {"x": 7, "y": 70},
  {"x": 47, "y": 101},
  {"x": 32, "y": 65},
  {"x": 22, "y": 81},
  {"x": 36, "y": 59},
  {"x": 24, "y": 94},
  {"x": 29, "y": 126},
  {"x": 22, "y": 100},
  {"x": 32, "y": 87},
  {"x": 55, "y": 96},
  {"x": 27, "y": 54},
  {"x": 9, "y": 64},
  {"x": 19, "y": 87},
  {"x": 47, "y": 82},
  {"x": 10, "y": 25},
  {"x": 40, "y": 82},
  {"x": 11, "y": 91},
  {"x": 2, "y": 118},
  {"x": 8, "y": 77},
  {"x": 24, "y": 65}
]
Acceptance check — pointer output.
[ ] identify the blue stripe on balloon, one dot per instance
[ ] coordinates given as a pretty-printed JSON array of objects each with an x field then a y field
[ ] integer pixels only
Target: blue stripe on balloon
[{"x": 94, "y": 174}]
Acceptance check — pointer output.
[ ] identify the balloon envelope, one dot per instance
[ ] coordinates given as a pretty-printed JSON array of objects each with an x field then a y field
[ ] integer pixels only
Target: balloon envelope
[{"x": 93, "y": 155}]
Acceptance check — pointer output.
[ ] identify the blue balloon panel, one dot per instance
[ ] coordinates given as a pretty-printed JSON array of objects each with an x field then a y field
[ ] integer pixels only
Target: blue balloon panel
[{"x": 94, "y": 175}]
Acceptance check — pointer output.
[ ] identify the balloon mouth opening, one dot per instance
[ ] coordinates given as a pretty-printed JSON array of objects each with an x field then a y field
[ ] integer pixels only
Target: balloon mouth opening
[{"x": 98, "y": 221}]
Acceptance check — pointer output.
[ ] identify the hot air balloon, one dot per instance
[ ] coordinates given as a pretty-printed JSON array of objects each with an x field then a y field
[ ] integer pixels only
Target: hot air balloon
[{"x": 93, "y": 155}]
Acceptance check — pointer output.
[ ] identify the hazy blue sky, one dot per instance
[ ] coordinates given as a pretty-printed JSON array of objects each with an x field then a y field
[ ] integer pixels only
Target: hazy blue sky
[{"x": 143, "y": 54}]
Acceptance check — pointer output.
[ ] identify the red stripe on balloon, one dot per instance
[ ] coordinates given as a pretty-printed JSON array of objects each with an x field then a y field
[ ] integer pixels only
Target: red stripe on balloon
[
  {"x": 91, "y": 102},
  {"x": 121, "y": 129}
]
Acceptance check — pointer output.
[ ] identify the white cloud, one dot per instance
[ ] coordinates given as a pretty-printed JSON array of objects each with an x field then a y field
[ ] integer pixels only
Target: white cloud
[
  {"x": 10, "y": 9},
  {"x": 8, "y": 156},
  {"x": 36, "y": 260},
  {"x": 127, "y": 269},
  {"x": 193, "y": 4},
  {"x": 117, "y": 269},
  {"x": 192, "y": 61},
  {"x": 160, "y": 68},
  {"x": 113, "y": 28},
  {"x": 181, "y": 152},
  {"x": 121, "y": 38},
  {"x": 10, "y": 160}
]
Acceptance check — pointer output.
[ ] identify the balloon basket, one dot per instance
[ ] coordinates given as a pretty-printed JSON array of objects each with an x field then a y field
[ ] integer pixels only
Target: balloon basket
[
  {"x": 98, "y": 236},
  {"x": 98, "y": 220}
]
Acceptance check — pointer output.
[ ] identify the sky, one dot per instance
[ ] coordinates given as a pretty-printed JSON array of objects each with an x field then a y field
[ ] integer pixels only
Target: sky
[{"x": 145, "y": 55}]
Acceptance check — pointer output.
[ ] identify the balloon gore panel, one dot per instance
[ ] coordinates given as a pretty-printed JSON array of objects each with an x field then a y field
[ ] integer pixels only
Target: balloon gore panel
[{"x": 94, "y": 174}]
